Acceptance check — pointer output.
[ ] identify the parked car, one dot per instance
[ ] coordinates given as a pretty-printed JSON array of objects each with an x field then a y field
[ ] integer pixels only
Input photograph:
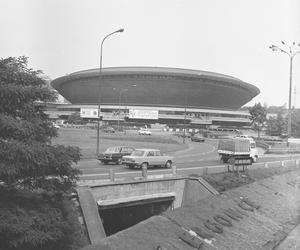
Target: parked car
[
  {"x": 56, "y": 125},
  {"x": 109, "y": 130},
  {"x": 147, "y": 157},
  {"x": 115, "y": 154},
  {"x": 144, "y": 132},
  {"x": 244, "y": 136},
  {"x": 197, "y": 138}
]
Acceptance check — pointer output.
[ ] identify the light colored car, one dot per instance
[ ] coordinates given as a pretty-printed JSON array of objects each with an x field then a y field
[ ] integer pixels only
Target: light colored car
[
  {"x": 244, "y": 136},
  {"x": 56, "y": 125},
  {"x": 147, "y": 157},
  {"x": 144, "y": 132}
]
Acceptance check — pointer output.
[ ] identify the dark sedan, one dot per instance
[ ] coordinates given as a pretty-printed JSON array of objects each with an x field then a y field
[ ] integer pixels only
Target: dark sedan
[
  {"x": 197, "y": 138},
  {"x": 115, "y": 154}
]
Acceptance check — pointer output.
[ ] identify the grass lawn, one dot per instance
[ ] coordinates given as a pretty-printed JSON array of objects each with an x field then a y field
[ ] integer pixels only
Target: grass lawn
[{"x": 86, "y": 139}]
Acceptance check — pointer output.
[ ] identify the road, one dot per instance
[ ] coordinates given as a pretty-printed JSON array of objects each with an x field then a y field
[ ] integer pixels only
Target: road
[{"x": 188, "y": 161}]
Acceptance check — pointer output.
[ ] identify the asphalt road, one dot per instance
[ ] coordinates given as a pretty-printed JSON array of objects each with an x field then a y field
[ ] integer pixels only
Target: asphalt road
[{"x": 187, "y": 161}]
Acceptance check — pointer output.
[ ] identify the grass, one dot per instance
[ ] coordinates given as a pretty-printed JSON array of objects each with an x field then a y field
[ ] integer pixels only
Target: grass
[
  {"x": 86, "y": 139},
  {"x": 226, "y": 181}
]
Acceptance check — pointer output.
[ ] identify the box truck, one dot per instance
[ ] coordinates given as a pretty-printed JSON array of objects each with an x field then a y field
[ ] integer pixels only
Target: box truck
[{"x": 237, "y": 147}]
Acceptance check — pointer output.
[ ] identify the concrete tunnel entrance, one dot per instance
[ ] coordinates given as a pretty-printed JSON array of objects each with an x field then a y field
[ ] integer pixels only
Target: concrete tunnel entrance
[{"x": 119, "y": 215}]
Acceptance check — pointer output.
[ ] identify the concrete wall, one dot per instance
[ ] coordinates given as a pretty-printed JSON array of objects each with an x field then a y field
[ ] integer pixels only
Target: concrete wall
[
  {"x": 277, "y": 214},
  {"x": 192, "y": 189},
  {"x": 195, "y": 190},
  {"x": 91, "y": 215},
  {"x": 140, "y": 188}
]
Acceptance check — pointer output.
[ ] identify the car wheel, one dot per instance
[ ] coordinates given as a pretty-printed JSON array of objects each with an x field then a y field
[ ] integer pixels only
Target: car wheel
[
  {"x": 119, "y": 161},
  {"x": 224, "y": 159},
  {"x": 254, "y": 159},
  {"x": 144, "y": 165},
  {"x": 104, "y": 162},
  {"x": 168, "y": 164}
]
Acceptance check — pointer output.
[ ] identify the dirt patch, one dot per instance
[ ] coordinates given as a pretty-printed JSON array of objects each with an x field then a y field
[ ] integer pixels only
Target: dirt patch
[{"x": 225, "y": 181}]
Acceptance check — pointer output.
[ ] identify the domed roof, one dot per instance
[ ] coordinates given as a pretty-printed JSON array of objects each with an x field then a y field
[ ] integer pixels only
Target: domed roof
[{"x": 156, "y": 86}]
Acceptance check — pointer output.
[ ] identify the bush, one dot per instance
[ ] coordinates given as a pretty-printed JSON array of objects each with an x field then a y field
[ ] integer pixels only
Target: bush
[{"x": 38, "y": 221}]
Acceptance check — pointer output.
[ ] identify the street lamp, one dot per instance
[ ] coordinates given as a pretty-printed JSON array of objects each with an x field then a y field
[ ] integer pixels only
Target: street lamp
[
  {"x": 100, "y": 75},
  {"x": 120, "y": 96},
  {"x": 184, "y": 120},
  {"x": 291, "y": 51}
]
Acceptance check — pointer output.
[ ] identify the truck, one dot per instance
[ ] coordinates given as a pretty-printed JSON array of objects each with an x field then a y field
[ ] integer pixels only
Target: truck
[{"x": 237, "y": 147}]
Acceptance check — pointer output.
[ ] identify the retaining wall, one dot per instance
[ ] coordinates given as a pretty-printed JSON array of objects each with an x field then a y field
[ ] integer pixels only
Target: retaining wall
[
  {"x": 277, "y": 212},
  {"x": 146, "y": 188}
]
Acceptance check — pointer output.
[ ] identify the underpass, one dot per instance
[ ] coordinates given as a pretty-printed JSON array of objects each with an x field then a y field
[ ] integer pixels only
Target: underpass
[
  {"x": 264, "y": 225},
  {"x": 131, "y": 196}
]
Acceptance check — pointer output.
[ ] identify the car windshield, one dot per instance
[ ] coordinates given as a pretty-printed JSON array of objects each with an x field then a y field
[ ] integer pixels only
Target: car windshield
[
  {"x": 112, "y": 150},
  {"x": 138, "y": 153}
]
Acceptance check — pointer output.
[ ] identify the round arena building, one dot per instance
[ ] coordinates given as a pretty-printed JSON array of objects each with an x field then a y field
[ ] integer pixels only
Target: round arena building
[{"x": 157, "y": 95}]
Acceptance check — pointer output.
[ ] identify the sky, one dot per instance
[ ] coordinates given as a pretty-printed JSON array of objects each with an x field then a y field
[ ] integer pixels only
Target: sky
[{"x": 230, "y": 37}]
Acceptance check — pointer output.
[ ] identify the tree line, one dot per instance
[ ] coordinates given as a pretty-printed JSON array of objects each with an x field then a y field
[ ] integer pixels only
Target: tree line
[{"x": 276, "y": 123}]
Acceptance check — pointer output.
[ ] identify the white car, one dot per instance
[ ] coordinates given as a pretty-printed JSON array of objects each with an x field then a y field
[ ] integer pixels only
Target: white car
[
  {"x": 147, "y": 157},
  {"x": 144, "y": 132},
  {"x": 56, "y": 125},
  {"x": 244, "y": 136}
]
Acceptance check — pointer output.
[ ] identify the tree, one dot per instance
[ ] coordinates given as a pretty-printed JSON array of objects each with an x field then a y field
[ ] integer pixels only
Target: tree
[
  {"x": 34, "y": 174},
  {"x": 258, "y": 117},
  {"x": 277, "y": 125},
  {"x": 27, "y": 156},
  {"x": 75, "y": 118}
]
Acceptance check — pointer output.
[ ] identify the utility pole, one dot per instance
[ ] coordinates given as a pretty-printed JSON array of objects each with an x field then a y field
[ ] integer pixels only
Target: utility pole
[{"x": 291, "y": 51}]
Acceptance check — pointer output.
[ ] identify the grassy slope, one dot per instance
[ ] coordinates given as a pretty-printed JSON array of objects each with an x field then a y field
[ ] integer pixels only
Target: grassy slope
[{"x": 226, "y": 181}]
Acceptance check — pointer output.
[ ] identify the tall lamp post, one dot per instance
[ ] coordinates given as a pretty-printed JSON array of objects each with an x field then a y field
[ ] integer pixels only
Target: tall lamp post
[
  {"x": 291, "y": 51},
  {"x": 100, "y": 76},
  {"x": 120, "y": 96},
  {"x": 184, "y": 119}
]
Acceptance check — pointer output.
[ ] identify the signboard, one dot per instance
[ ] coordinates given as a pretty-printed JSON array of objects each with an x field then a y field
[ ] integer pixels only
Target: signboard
[
  {"x": 143, "y": 114},
  {"x": 200, "y": 121},
  {"x": 89, "y": 112}
]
